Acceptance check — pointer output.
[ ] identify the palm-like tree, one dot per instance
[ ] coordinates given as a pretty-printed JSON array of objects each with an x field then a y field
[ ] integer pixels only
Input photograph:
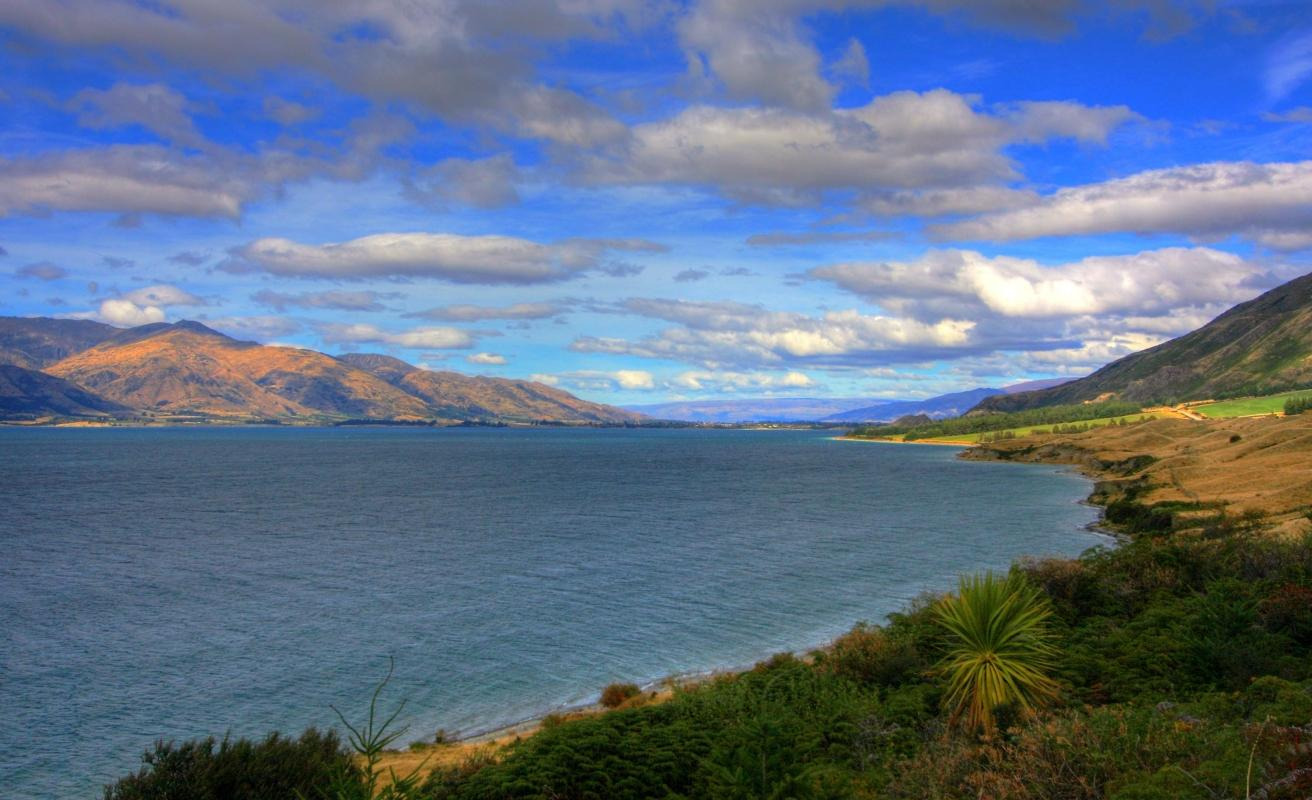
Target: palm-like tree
[{"x": 999, "y": 647}]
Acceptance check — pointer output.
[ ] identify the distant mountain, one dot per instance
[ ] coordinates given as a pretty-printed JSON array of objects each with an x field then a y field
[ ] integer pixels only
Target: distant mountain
[
  {"x": 27, "y": 393},
  {"x": 1258, "y": 347},
  {"x": 945, "y": 405},
  {"x": 186, "y": 367},
  {"x": 458, "y": 396},
  {"x": 767, "y": 409},
  {"x": 1034, "y": 386},
  {"x": 37, "y": 342}
]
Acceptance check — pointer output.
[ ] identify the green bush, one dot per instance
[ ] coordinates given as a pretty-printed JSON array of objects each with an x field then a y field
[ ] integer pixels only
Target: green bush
[
  {"x": 1297, "y": 405},
  {"x": 276, "y": 768}
]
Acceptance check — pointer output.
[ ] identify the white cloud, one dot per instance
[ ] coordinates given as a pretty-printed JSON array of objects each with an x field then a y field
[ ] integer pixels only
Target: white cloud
[
  {"x": 472, "y": 313},
  {"x": 1213, "y": 199},
  {"x": 486, "y": 358},
  {"x": 163, "y": 295},
  {"x": 481, "y": 183},
  {"x": 600, "y": 380},
  {"x": 125, "y": 312},
  {"x": 444, "y": 256},
  {"x": 904, "y": 141},
  {"x": 432, "y": 338},
  {"x": 261, "y": 328},
  {"x": 1288, "y": 65},
  {"x": 337, "y": 300},
  {"x": 1147, "y": 283},
  {"x": 153, "y": 106},
  {"x": 125, "y": 179},
  {"x": 720, "y": 335},
  {"x": 725, "y": 381}
]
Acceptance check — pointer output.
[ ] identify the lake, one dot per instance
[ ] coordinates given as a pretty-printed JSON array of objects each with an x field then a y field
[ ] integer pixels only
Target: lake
[{"x": 179, "y": 583}]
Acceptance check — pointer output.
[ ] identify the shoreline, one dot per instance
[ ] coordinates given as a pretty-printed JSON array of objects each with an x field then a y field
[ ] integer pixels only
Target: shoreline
[
  {"x": 1112, "y": 458},
  {"x": 490, "y": 742}
]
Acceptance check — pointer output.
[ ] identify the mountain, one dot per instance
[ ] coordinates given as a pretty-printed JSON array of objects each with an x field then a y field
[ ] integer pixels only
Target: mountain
[
  {"x": 1258, "y": 347},
  {"x": 458, "y": 396},
  {"x": 37, "y": 342},
  {"x": 945, "y": 405},
  {"x": 27, "y": 393},
  {"x": 764, "y": 409},
  {"x": 186, "y": 367}
]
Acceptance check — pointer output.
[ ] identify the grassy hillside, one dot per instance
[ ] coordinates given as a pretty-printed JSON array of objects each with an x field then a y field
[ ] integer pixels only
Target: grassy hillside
[{"x": 1256, "y": 348}]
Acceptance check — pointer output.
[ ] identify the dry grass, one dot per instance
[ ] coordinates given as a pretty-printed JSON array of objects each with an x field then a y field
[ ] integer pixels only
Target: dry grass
[{"x": 1257, "y": 464}]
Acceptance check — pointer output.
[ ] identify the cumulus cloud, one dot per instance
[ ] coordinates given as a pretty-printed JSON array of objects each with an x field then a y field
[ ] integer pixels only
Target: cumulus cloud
[
  {"x": 153, "y": 106},
  {"x": 341, "y": 301},
  {"x": 117, "y": 311},
  {"x": 720, "y": 335},
  {"x": 261, "y": 328},
  {"x": 481, "y": 183},
  {"x": 1213, "y": 199},
  {"x": 443, "y": 256},
  {"x": 904, "y": 141},
  {"x": 124, "y": 179},
  {"x": 472, "y": 313},
  {"x": 42, "y": 271},
  {"x": 691, "y": 275},
  {"x": 431, "y": 338},
  {"x": 727, "y": 381},
  {"x": 817, "y": 237},
  {"x": 288, "y": 113},
  {"x": 163, "y": 295},
  {"x": 600, "y": 380},
  {"x": 1147, "y": 283},
  {"x": 486, "y": 358}
]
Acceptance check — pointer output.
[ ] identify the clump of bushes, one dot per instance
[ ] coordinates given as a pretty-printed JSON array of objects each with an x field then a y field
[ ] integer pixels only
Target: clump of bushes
[
  {"x": 276, "y": 768},
  {"x": 1297, "y": 405},
  {"x": 616, "y": 694}
]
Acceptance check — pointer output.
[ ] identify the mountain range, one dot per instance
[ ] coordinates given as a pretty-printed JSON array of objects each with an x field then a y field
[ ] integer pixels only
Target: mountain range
[
  {"x": 829, "y": 410},
  {"x": 1259, "y": 347},
  {"x": 77, "y": 368}
]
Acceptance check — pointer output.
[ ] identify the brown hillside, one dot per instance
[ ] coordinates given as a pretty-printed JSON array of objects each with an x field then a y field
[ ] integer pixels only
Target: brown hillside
[
  {"x": 469, "y": 396},
  {"x": 187, "y": 367},
  {"x": 1257, "y": 464}
]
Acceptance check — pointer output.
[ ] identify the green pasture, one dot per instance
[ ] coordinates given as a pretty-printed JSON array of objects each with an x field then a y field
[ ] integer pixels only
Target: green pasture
[{"x": 1249, "y": 406}]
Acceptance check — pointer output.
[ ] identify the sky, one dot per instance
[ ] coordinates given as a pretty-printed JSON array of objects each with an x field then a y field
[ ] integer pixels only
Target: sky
[{"x": 650, "y": 201}]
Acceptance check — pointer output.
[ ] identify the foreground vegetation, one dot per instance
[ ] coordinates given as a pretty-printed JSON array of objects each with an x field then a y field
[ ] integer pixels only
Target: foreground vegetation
[
  {"x": 962, "y": 427},
  {"x": 1175, "y": 665}
]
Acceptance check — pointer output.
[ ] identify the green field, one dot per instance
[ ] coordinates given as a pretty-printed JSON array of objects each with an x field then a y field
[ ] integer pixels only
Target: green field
[
  {"x": 1028, "y": 429},
  {"x": 1249, "y": 406}
]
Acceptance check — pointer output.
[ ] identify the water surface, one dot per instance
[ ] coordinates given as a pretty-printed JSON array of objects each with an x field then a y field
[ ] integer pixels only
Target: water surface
[{"x": 174, "y": 583}]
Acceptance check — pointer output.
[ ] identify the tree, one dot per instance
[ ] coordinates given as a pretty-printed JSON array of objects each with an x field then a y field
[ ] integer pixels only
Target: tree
[{"x": 999, "y": 648}]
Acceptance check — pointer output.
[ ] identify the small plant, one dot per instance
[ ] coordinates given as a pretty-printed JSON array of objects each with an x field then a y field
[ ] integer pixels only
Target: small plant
[
  {"x": 616, "y": 694},
  {"x": 369, "y": 741},
  {"x": 999, "y": 648}
]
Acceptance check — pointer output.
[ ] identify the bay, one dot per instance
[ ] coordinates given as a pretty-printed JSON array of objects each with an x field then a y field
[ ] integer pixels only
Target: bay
[{"x": 176, "y": 583}]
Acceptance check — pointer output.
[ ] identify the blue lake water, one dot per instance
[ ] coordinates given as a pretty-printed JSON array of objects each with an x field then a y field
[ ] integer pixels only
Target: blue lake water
[{"x": 176, "y": 583}]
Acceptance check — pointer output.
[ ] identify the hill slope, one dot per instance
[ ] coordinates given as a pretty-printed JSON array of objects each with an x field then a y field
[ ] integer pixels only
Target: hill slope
[
  {"x": 37, "y": 342},
  {"x": 451, "y": 394},
  {"x": 27, "y": 393},
  {"x": 1258, "y": 347},
  {"x": 187, "y": 367}
]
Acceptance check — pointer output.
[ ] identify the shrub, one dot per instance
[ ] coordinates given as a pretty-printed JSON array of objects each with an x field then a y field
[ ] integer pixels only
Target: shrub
[
  {"x": 1297, "y": 405},
  {"x": 999, "y": 650},
  {"x": 872, "y": 656},
  {"x": 275, "y": 768},
  {"x": 615, "y": 695}
]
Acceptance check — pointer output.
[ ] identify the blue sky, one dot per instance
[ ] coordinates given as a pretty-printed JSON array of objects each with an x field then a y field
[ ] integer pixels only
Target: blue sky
[{"x": 647, "y": 201}]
